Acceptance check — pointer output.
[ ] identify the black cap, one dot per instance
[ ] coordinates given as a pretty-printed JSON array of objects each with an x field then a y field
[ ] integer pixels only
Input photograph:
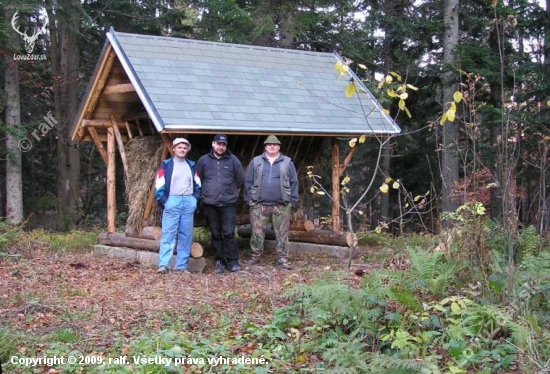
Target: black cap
[{"x": 220, "y": 138}]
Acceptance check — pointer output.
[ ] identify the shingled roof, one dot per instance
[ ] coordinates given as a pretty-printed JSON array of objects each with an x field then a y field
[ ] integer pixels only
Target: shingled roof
[{"x": 193, "y": 86}]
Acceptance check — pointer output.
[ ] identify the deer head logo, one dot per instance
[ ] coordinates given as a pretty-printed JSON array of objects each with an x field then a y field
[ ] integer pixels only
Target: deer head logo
[{"x": 29, "y": 40}]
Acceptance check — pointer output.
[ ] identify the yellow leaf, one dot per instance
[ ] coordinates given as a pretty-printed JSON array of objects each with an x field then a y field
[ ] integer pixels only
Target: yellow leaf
[
  {"x": 451, "y": 115},
  {"x": 418, "y": 197},
  {"x": 412, "y": 87},
  {"x": 404, "y": 96},
  {"x": 395, "y": 185},
  {"x": 443, "y": 119},
  {"x": 345, "y": 180},
  {"x": 453, "y": 106},
  {"x": 548, "y": 103},
  {"x": 391, "y": 93},
  {"x": 381, "y": 84},
  {"x": 362, "y": 66},
  {"x": 388, "y": 180},
  {"x": 384, "y": 188},
  {"x": 360, "y": 212},
  {"x": 397, "y": 76},
  {"x": 312, "y": 189},
  {"x": 378, "y": 230},
  {"x": 385, "y": 111},
  {"x": 389, "y": 79},
  {"x": 352, "y": 142},
  {"x": 457, "y": 96},
  {"x": 406, "y": 205},
  {"x": 320, "y": 193},
  {"x": 338, "y": 66},
  {"x": 350, "y": 89},
  {"x": 362, "y": 138},
  {"x": 408, "y": 113},
  {"x": 401, "y": 104}
]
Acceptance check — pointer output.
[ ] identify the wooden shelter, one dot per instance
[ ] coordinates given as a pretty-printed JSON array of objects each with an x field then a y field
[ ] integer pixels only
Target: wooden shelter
[{"x": 146, "y": 85}]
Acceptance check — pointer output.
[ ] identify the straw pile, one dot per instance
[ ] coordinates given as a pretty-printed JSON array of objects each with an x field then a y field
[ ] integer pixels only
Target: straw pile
[{"x": 143, "y": 156}]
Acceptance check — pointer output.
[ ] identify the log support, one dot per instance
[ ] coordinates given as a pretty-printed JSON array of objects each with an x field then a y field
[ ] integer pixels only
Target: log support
[
  {"x": 335, "y": 185},
  {"x": 111, "y": 182},
  {"x": 344, "y": 239}
]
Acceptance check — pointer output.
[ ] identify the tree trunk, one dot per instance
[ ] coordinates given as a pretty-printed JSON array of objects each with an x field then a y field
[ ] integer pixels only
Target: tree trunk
[
  {"x": 449, "y": 156},
  {"x": 65, "y": 56},
  {"x": 14, "y": 182}
]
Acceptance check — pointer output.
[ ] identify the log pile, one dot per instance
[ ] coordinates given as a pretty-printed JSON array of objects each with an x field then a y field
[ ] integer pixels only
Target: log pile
[
  {"x": 149, "y": 239},
  {"x": 300, "y": 231},
  {"x": 344, "y": 239}
]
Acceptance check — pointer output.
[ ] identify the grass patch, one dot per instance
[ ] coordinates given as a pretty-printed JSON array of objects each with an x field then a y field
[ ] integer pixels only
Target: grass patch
[{"x": 61, "y": 242}]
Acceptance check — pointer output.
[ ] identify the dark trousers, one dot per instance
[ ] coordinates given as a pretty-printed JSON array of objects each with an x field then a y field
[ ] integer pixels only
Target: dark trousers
[{"x": 221, "y": 222}]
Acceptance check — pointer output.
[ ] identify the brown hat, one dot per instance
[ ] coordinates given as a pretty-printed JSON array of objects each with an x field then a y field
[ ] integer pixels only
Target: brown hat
[{"x": 272, "y": 139}]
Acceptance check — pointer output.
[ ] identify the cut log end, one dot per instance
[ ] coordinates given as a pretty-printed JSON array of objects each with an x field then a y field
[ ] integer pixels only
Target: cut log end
[{"x": 196, "y": 250}]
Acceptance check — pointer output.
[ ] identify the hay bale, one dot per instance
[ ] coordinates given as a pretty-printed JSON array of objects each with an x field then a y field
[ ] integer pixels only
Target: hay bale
[{"x": 143, "y": 157}]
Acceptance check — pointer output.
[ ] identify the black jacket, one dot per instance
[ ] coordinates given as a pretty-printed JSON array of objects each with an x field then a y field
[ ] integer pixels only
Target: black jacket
[{"x": 220, "y": 178}]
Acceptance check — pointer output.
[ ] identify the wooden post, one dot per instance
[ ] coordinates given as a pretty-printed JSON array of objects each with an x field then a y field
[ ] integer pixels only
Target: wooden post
[
  {"x": 98, "y": 144},
  {"x": 111, "y": 182},
  {"x": 335, "y": 185},
  {"x": 120, "y": 144}
]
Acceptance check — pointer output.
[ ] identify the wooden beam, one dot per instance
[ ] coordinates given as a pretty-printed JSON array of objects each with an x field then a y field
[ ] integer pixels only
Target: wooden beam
[
  {"x": 335, "y": 185},
  {"x": 100, "y": 82},
  {"x": 99, "y": 145},
  {"x": 167, "y": 142},
  {"x": 119, "y": 88},
  {"x": 128, "y": 129},
  {"x": 111, "y": 182},
  {"x": 101, "y": 122},
  {"x": 120, "y": 144},
  {"x": 347, "y": 159}
]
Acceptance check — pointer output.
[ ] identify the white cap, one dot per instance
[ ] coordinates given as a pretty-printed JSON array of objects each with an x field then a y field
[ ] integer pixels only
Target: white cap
[{"x": 181, "y": 140}]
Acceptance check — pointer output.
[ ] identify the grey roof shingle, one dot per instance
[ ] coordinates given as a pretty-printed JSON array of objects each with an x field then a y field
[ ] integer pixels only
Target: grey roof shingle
[{"x": 192, "y": 85}]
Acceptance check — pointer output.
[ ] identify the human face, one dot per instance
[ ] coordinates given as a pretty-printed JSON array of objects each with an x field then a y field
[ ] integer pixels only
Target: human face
[
  {"x": 272, "y": 150},
  {"x": 219, "y": 148},
  {"x": 180, "y": 150}
]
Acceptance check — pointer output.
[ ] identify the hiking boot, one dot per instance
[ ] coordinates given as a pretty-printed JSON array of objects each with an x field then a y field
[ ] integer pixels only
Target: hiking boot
[
  {"x": 218, "y": 267},
  {"x": 162, "y": 269},
  {"x": 252, "y": 261},
  {"x": 234, "y": 267},
  {"x": 283, "y": 264}
]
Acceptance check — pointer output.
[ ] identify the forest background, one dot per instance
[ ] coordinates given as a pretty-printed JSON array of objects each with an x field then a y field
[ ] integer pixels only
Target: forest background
[{"x": 467, "y": 81}]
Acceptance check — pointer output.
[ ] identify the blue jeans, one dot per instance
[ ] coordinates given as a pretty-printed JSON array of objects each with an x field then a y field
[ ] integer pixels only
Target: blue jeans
[{"x": 177, "y": 223}]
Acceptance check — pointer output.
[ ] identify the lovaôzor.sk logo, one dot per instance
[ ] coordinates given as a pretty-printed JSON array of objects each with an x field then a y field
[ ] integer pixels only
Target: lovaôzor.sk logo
[{"x": 29, "y": 40}]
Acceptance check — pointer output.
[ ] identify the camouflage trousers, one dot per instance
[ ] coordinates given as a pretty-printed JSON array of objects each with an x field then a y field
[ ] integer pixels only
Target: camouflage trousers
[{"x": 260, "y": 216}]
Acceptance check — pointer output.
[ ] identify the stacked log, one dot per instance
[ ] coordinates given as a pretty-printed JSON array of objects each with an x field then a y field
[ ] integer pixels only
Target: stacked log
[
  {"x": 147, "y": 232},
  {"x": 118, "y": 239},
  {"x": 345, "y": 239}
]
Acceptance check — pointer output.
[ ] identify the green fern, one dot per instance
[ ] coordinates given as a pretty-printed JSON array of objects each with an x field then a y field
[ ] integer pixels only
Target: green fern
[
  {"x": 406, "y": 297},
  {"x": 530, "y": 242},
  {"x": 433, "y": 271}
]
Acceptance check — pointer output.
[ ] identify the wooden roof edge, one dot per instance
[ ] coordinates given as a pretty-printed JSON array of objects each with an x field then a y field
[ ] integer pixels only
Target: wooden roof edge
[
  {"x": 76, "y": 134},
  {"x": 136, "y": 82}
]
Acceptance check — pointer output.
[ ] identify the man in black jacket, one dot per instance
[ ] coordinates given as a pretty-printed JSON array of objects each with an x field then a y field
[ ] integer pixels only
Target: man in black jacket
[{"x": 222, "y": 176}]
